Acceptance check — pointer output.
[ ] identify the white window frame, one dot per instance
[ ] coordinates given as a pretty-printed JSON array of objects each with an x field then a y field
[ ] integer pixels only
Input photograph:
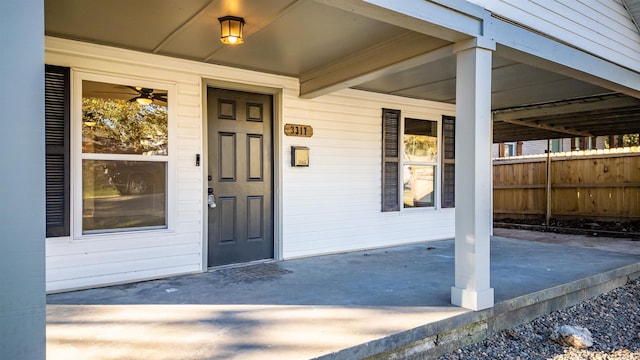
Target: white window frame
[
  {"x": 510, "y": 149},
  {"x": 77, "y": 156},
  {"x": 437, "y": 164}
]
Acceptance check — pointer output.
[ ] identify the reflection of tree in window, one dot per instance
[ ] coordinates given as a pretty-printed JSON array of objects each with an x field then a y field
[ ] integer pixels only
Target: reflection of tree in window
[
  {"x": 124, "y": 127},
  {"x": 420, "y": 140},
  {"x": 124, "y": 158}
]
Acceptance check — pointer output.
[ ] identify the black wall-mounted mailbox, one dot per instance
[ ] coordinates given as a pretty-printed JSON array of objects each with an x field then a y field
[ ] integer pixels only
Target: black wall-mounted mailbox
[{"x": 299, "y": 156}]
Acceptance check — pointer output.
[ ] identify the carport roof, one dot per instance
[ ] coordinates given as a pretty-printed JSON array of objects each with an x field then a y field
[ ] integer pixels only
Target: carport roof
[
  {"x": 332, "y": 44},
  {"x": 607, "y": 114},
  {"x": 633, "y": 7}
]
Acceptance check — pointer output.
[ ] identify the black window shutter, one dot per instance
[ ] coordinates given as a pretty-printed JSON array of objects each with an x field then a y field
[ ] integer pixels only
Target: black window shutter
[
  {"x": 390, "y": 160},
  {"x": 57, "y": 85},
  {"x": 448, "y": 161}
]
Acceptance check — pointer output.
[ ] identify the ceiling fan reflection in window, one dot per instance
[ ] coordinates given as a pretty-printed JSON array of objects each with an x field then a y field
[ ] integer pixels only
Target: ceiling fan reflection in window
[
  {"x": 147, "y": 96},
  {"x": 141, "y": 95}
]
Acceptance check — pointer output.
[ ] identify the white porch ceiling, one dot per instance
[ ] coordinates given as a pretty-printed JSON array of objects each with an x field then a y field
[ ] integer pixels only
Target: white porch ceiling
[{"x": 328, "y": 46}]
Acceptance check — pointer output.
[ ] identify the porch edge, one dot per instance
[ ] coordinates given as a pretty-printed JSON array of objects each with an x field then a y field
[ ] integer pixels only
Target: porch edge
[{"x": 435, "y": 339}]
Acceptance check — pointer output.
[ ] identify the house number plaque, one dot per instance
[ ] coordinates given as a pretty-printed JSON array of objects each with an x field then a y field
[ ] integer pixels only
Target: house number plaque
[{"x": 298, "y": 130}]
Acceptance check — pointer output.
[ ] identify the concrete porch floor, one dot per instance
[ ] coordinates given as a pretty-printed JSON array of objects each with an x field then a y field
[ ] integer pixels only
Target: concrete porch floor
[{"x": 345, "y": 306}]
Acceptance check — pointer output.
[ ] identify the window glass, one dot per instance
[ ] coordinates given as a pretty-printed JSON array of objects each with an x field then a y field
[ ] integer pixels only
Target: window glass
[
  {"x": 420, "y": 157},
  {"x": 121, "y": 119},
  {"x": 124, "y": 157},
  {"x": 419, "y": 186},
  {"x": 123, "y": 194},
  {"x": 420, "y": 140}
]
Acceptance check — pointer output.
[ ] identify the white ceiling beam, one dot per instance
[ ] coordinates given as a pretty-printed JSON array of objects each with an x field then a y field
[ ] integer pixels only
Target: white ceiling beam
[
  {"x": 570, "y": 106},
  {"x": 522, "y": 45},
  {"x": 398, "y": 54},
  {"x": 445, "y": 19}
]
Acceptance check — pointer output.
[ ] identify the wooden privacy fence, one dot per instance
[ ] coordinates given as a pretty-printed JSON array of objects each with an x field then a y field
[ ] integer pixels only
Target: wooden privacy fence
[{"x": 594, "y": 184}]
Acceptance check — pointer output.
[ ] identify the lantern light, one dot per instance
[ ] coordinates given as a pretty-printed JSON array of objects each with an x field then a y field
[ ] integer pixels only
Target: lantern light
[{"x": 231, "y": 28}]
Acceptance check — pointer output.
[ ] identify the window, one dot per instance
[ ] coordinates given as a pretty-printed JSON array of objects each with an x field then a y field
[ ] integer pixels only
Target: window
[
  {"x": 510, "y": 149},
  {"x": 413, "y": 164},
  {"x": 419, "y": 162},
  {"x": 123, "y": 157}
]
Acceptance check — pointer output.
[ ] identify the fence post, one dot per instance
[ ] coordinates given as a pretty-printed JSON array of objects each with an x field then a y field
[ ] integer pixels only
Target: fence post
[{"x": 548, "y": 213}]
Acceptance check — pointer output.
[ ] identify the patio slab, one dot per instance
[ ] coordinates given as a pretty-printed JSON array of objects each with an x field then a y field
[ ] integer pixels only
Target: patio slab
[{"x": 349, "y": 305}]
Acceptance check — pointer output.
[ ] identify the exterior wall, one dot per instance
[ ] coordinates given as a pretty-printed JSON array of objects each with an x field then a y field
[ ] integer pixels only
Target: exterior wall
[
  {"x": 535, "y": 147},
  {"x": 334, "y": 204},
  {"x": 331, "y": 206},
  {"x": 579, "y": 23},
  {"x": 528, "y": 148},
  {"x": 82, "y": 261}
]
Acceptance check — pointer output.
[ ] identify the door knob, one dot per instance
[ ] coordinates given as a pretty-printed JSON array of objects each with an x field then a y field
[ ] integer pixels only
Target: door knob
[{"x": 211, "y": 199}]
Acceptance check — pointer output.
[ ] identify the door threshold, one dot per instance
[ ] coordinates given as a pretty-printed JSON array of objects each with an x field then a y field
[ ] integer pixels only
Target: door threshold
[{"x": 240, "y": 265}]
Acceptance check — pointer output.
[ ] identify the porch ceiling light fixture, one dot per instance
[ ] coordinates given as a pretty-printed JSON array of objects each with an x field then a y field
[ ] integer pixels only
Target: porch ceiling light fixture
[{"x": 231, "y": 28}]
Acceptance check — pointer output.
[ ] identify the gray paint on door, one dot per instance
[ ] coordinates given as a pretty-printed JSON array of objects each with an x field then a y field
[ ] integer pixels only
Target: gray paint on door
[{"x": 241, "y": 172}]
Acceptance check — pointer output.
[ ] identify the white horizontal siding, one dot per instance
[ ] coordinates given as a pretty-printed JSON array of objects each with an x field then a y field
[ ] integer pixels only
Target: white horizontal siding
[
  {"x": 84, "y": 261},
  {"x": 100, "y": 259},
  {"x": 600, "y": 27},
  {"x": 534, "y": 147},
  {"x": 369, "y": 231},
  {"x": 119, "y": 257},
  {"x": 334, "y": 204},
  {"x": 331, "y": 206},
  {"x": 144, "y": 272},
  {"x": 139, "y": 262},
  {"x": 61, "y": 247}
]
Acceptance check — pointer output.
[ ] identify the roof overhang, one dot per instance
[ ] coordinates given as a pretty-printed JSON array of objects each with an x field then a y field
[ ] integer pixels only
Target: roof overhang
[
  {"x": 633, "y": 7},
  {"x": 541, "y": 87}
]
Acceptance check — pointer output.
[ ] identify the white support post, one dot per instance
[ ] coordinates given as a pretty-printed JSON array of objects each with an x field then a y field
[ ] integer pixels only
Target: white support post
[
  {"x": 22, "y": 184},
  {"x": 473, "y": 175}
]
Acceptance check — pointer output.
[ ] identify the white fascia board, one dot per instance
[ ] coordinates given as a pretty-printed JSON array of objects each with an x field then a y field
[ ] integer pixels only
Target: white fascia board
[
  {"x": 445, "y": 19},
  {"x": 527, "y": 47},
  {"x": 459, "y": 16}
]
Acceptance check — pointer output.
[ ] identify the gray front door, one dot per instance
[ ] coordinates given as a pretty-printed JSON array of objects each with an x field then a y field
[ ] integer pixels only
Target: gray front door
[{"x": 240, "y": 174}]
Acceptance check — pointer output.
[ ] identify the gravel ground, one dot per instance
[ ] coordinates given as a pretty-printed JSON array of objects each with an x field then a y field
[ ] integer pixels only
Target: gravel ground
[{"x": 612, "y": 318}]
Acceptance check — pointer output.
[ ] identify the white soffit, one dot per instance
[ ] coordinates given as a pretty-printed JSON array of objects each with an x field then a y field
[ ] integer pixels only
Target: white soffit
[{"x": 633, "y": 7}]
